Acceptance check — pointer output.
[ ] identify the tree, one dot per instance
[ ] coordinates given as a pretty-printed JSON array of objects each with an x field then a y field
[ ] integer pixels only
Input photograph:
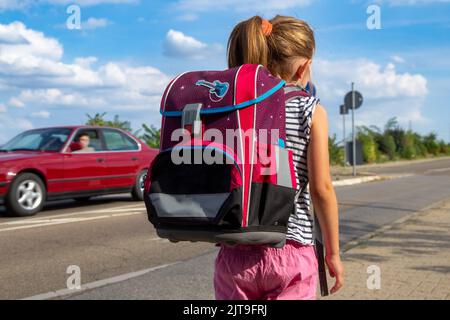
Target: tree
[
  {"x": 116, "y": 123},
  {"x": 151, "y": 135},
  {"x": 99, "y": 120},
  {"x": 96, "y": 120},
  {"x": 391, "y": 124}
]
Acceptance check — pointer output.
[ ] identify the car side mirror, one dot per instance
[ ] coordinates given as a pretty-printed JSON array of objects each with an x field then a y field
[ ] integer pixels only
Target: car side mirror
[{"x": 75, "y": 146}]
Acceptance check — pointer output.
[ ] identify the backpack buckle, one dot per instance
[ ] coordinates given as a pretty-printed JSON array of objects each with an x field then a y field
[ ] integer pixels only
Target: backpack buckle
[{"x": 190, "y": 119}]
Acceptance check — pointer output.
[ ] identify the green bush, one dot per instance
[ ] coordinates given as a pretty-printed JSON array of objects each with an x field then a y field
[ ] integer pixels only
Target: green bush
[
  {"x": 393, "y": 129},
  {"x": 431, "y": 145},
  {"x": 336, "y": 152},
  {"x": 387, "y": 146},
  {"x": 408, "y": 150},
  {"x": 444, "y": 148},
  {"x": 369, "y": 147}
]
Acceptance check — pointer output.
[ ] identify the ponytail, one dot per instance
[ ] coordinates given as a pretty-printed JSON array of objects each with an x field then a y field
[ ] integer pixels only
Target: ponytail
[
  {"x": 248, "y": 44},
  {"x": 275, "y": 47}
]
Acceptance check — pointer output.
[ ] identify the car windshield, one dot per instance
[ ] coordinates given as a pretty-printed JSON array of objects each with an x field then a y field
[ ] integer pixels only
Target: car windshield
[{"x": 38, "y": 140}]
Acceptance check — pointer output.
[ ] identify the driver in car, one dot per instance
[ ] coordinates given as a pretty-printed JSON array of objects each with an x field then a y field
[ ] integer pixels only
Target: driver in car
[{"x": 84, "y": 140}]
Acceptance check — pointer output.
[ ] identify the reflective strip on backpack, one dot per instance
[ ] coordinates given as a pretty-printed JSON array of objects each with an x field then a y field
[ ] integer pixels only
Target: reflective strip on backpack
[{"x": 188, "y": 205}]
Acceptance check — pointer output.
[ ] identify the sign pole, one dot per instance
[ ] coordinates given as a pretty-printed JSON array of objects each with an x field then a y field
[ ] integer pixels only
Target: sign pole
[
  {"x": 353, "y": 100},
  {"x": 345, "y": 142},
  {"x": 353, "y": 129}
]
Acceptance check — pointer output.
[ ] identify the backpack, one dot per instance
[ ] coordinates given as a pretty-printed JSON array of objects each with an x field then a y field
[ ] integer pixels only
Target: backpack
[{"x": 223, "y": 174}]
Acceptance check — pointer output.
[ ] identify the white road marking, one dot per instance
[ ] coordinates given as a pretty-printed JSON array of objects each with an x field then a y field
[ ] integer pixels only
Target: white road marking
[
  {"x": 438, "y": 170},
  {"x": 58, "y": 216},
  {"x": 97, "y": 284},
  {"x": 58, "y": 221},
  {"x": 55, "y": 218}
]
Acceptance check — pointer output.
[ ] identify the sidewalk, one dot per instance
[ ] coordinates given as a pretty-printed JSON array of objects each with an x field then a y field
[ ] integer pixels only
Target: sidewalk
[
  {"x": 342, "y": 173},
  {"x": 413, "y": 257}
]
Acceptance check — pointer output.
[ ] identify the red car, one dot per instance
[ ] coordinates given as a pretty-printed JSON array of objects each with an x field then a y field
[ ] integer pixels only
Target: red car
[{"x": 70, "y": 162}]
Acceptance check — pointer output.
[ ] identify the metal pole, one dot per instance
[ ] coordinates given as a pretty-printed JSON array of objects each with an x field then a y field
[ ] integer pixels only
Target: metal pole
[
  {"x": 345, "y": 142},
  {"x": 353, "y": 129}
]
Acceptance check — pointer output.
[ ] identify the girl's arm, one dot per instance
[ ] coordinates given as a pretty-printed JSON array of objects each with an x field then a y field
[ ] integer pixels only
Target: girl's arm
[{"x": 323, "y": 195}]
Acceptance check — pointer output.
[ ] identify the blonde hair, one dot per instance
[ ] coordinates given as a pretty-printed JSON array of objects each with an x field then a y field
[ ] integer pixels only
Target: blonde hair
[{"x": 290, "y": 38}]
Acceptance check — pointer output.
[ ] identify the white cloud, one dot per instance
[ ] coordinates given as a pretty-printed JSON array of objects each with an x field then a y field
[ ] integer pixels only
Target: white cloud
[
  {"x": 36, "y": 70},
  {"x": 12, "y": 4},
  {"x": 22, "y": 4},
  {"x": 188, "y": 17},
  {"x": 412, "y": 2},
  {"x": 34, "y": 77},
  {"x": 10, "y": 126},
  {"x": 387, "y": 93},
  {"x": 52, "y": 97},
  {"x": 379, "y": 112},
  {"x": 94, "y": 23},
  {"x": 179, "y": 45},
  {"x": 189, "y": 6},
  {"x": 32, "y": 44},
  {"x": 85, "y": 62},
  {"x": 85, "y": 3},
  {"x": 7, "y": 37},
  {"x": 41, "y": 114},
  {"x": 9, "y": 122},
  {"x": 122, "y": 87},
  {"x": 375, "y": 80},
  {"x": 398, "y": 59},
  {"x": 23, "y": 124},
  {"x": 14, "y": 102}
]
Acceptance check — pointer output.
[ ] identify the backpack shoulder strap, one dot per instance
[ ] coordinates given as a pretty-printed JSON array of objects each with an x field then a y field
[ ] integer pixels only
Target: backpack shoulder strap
[{"x": 293, "y": 91}]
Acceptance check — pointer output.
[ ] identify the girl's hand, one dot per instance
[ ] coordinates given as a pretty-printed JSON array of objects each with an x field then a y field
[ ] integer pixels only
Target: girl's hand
[{"x": 336, "y": 270}]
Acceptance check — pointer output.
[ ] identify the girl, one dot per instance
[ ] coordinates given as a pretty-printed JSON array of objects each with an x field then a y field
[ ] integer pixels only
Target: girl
[{"x": 286, "y": 46}]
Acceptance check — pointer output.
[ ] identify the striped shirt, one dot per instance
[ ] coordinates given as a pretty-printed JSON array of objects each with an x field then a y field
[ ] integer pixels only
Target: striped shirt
[{"x": 299, "y": 113}]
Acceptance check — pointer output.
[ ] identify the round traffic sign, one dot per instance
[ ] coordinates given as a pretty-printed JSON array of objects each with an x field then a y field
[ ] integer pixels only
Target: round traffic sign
[{"x": 348, "y": 101}]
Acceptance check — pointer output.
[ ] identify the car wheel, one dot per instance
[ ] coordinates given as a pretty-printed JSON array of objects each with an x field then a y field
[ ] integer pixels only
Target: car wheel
[
  {"x": 138, "y": 189},
  {"x": 26, "y": 195}
]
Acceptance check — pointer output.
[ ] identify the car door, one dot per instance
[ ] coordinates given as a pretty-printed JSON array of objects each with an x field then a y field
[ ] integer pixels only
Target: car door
[
  {"x": 122, "y": 155},
  {"x": 84, "y": 172}
]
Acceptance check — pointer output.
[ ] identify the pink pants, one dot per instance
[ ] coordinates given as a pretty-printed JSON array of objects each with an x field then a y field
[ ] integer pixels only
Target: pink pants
[{"x": 249, "y": 272}]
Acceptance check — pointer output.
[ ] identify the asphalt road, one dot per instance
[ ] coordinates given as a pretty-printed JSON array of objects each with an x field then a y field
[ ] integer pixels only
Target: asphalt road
[{"x": 110, "y": 240}]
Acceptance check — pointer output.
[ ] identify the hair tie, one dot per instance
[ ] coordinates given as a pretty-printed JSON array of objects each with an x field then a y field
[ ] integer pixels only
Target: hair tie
[{"x": 266, "y": 27}]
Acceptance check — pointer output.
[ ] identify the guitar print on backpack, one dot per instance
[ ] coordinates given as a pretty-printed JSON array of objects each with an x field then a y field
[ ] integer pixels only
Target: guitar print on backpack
[{"x": 217, "y": 89}]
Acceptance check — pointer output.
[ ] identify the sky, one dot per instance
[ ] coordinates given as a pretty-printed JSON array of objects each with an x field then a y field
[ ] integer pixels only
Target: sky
[{"x": 126, "y": 51}]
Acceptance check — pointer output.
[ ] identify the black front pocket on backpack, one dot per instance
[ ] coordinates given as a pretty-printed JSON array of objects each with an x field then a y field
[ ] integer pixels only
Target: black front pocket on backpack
[{"x": 193, "y": 194}]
